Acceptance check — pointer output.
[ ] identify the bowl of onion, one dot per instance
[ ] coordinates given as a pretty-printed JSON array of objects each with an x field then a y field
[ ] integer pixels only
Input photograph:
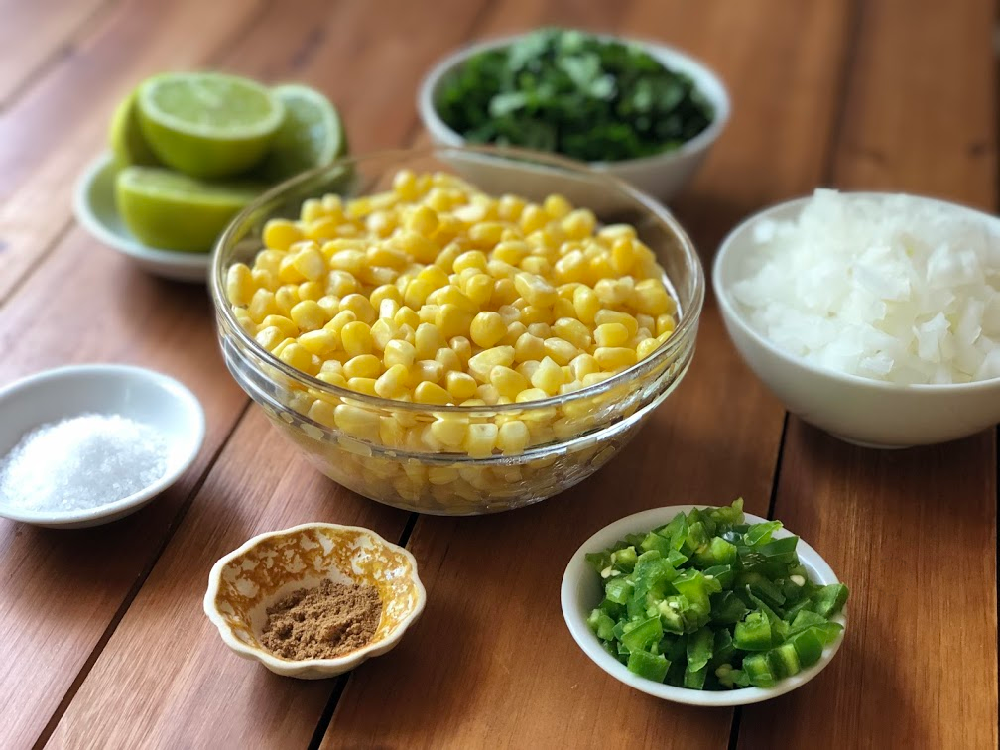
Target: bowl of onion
[{"x": 873, "y": 316}]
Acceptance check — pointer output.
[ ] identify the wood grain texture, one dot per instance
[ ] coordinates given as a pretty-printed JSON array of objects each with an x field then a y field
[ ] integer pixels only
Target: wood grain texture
[
  {"x": 60, "y": 590},
  {"x": 912, "y": 532},
  {"x": 60, "y": 125},
  {"x": 492, "y": 659},
  {"x": 165, "y": 679},
  {"x": 200, "y": 675},
  {"x": 32, "y": 33}
]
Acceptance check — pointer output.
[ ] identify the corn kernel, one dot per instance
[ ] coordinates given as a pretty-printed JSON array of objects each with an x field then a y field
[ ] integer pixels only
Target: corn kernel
[
  {"x": 448, "y": 359},
  {"x": 431, "y": 393},
  {"x": 646, "y": 347},
  {"x": 480, "y": 440},
  {"x": 308, "y": 315},
  {"x": 399, "y": 353},
  {"x": 615, "y": 357},
  {"x": 286, "y": 298},
  {"x": 481, "y": 364},
  {"x": 560, "y": 350},
  {"x": 390, "y": 432},
  {"x": 579, "y": 223},
  {"x": 531, "y": 394},
  {"x": 356, "y": 421},
  {"x": 513, "y": 437},
  {"x": 239, "y": 284},
  {"x": 269, "y": 337},
  {"x": 452, "y": 321},
  {"x": 462, "y": 347},
  {"x": 362, "y": 366},
  {"x": 340, "y": 284},
  {"x": 651, "y": 297},
  {"x": 608, "y": 316},
  {"x": 585, "y": 304},
  {"x": 486, "y": 329},
  {"x": 393, "y": 382},
  {"x": 449, "y": 431},
  {"x": 426, "y": 370},
  {"x": 479, "y": 289},
  {"x": 556, "y": 206},
  {"x": 611, "y": 334},
  {"x": 583, "y": 364},
  {"x": 262, "y": 279},
  {"x": 407, "y": 317},
  {"x": 549, "y": 376},
  {"x": 573, "y": 331},
  {"x": 536, "y": 290},
  {"x": 287, "y": 327},
  {"x": 321, "y": 342},
  {"x": 508, "y": 382},
  {"x": 460, "y": 386},
  {"x": 300, "y": 358},
  {"x": 665, "y": 324},
  {"x": 511, "y": 252},
  {"x": 362, "y": 385},
  {"x": 488, "y": 393},
  {"x": 356, "y": 338},
  {"x": 280, "y": 234}
]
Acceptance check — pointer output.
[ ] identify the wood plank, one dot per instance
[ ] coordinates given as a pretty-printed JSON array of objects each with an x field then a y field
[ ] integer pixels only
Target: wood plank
[
  {"x": 61, "y": 589},
  {"x": 914, "y": 531},
  {"x": 200, "y": 677},
  {"x": 492, "y": 658},
  {"x": 52, "y": 132},
  {"x": 34, "y": 32},
  {"x": 165, "y": 679}
]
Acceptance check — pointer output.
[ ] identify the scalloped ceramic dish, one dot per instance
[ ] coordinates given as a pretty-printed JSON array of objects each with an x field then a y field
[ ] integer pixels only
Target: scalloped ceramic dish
[{"x": 268, "y": 567}]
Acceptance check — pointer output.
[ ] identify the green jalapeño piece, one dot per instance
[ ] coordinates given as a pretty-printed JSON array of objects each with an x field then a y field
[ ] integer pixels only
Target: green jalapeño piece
[{"x": 710, "y": 602}]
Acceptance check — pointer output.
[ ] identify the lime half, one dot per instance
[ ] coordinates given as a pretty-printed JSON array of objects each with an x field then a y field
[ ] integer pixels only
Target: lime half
[
  {"x": 312, "y": 134},
  {"x": 208, "y": 125},
  {"x": 169, "y": 211},
  {"x": 126, "y": 139}
]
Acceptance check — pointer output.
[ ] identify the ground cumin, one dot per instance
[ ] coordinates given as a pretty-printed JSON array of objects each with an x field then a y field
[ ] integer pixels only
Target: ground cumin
[{"x": 323, "y": 622}]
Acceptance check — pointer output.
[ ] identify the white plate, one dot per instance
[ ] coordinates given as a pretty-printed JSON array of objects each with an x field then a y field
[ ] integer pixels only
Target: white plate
[
  {"x": 582, "y": 591},
  {"x": 133, "y": 392},
  {"x": 95, "y": 208}
]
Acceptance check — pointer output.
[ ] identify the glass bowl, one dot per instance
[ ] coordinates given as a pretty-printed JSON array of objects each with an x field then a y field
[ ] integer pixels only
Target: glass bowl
[{"x": 379, "y": 447}]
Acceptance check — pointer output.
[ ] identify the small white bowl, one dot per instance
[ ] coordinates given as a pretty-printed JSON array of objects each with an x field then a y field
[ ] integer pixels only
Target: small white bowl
[
  {"x": 142, "y": 395},
  {"x": 95, "y": 208},
  {"x": 582, "y": 591},
  {"x": 662, "y": 175},
  {"x": 270, "y": 566},
  {"x": 863, "y": 411}
]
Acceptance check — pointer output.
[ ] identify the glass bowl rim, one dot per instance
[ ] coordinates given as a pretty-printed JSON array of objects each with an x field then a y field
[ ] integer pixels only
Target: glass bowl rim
[{"x": 687, "y": 323}]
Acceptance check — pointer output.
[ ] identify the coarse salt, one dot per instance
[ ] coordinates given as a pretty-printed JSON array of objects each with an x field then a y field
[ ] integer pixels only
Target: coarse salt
[
  {"x": 81, "y": 463},
  {"x": 895, "y": 288}
]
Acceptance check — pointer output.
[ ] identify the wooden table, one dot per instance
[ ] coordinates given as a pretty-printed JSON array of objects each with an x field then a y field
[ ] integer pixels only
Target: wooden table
[{"x": 102, "y": 638}]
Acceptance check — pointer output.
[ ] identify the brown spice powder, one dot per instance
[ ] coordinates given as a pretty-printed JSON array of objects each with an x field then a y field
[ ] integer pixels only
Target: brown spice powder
[{"x": 323, "y": 622}]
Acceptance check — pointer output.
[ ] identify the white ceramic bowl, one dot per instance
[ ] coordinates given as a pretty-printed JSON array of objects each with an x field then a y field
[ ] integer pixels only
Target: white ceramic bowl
[
  {"x": 133, "y": 392},
  {"x": 582, "y": 591},
  {"x": 859, "y": 410},
  {"x": 244, "y": 583},
  {"x": 663, "y": 175},
  {"x": 95, "y": 208}
]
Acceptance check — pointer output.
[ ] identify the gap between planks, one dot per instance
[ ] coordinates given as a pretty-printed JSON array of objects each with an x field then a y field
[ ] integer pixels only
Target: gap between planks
[{"x": 140, "y": 580}]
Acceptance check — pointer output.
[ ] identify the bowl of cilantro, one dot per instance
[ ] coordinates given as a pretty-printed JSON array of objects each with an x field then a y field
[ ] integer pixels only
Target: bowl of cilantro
[{"x": 640, "y": 111}]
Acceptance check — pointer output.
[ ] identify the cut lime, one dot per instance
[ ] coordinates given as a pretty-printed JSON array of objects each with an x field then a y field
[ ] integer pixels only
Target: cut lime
[
  {"x": 128, "y": 145},
  {"x": 311, "y": 136},
  {"x": 169, "y": 211},
  {"x": 208, "y": 125}
]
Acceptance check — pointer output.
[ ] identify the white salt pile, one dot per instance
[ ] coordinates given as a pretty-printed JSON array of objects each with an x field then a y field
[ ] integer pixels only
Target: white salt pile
[
  {"x": 895, "y": 288},
  {"x": 80, "y": 463}
]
